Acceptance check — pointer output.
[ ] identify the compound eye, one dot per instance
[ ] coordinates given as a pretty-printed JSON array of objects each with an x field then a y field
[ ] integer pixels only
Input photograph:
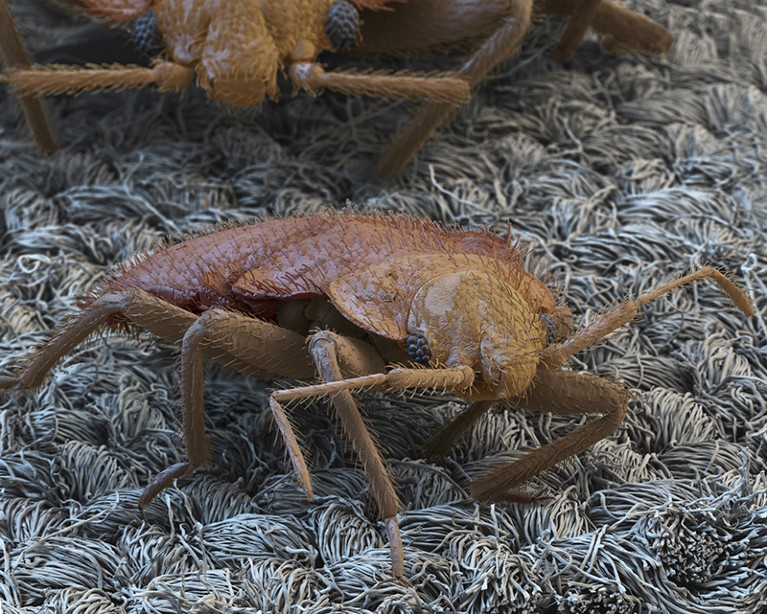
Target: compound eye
[
  {"x": 146, "y": 34},
  {"x": 551, "y": 328},
  {"x": 343, "y": 24},
  {"x": 417, "y": 348}
]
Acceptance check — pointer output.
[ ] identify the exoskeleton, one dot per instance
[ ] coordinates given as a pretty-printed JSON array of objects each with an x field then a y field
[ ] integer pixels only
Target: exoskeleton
[
  {"x": 237, "y": 50},
  {"x": 364, "y": 302}
]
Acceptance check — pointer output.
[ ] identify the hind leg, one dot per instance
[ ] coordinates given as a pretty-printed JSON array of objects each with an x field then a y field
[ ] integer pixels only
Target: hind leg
[
  {"x": 145, "y": 310},
  {"x": 248, "y": 345}
]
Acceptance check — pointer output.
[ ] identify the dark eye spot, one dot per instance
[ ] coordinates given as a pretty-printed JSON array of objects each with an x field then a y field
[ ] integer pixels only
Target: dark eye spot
[
  {"x": 551, "y": 328},
  {"x": 417, "y": 348},
  {"x": 146, "y": 35},
  {"x": 343, "y": 24}
]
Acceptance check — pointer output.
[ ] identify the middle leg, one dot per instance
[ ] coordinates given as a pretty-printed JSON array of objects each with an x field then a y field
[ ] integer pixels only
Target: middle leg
[{"x": 329, "y": 351}]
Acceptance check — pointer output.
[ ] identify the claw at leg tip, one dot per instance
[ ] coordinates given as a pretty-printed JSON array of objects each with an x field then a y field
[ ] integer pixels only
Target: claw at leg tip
[{"x": 397, "y": 550}]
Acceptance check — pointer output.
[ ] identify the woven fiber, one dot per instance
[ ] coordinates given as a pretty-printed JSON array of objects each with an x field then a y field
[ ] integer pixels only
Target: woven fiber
[{"x": 620, "y": 172}]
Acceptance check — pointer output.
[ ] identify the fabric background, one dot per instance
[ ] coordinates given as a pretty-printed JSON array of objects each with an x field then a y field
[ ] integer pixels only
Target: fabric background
[{"x": 620, "y": 172}]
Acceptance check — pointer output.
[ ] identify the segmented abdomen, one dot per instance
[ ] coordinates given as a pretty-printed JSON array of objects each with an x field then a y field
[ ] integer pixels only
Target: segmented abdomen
[{"x": 247, "y": 267}]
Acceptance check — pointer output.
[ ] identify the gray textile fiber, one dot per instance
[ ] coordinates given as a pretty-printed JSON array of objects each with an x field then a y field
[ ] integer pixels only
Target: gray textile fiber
[{"x": 620, "y": 173}]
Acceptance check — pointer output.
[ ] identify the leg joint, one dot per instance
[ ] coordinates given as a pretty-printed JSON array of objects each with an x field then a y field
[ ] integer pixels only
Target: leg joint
[
  {"x": 322, "y": 338},
  {"x": 353, "y": 357},
  {"x": 618, "y": 404},
  {"x": 199, "y": 329}
]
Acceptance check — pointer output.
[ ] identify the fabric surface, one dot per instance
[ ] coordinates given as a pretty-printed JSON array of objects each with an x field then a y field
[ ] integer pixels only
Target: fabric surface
[{"x": 620, "y": 173}]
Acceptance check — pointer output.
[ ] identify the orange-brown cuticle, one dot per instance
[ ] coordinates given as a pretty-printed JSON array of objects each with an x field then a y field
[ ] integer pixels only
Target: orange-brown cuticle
[{"x": 477, "y": 319}]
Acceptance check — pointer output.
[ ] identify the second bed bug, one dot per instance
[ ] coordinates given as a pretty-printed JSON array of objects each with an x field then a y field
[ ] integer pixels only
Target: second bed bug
[
  {"x": 364, "y": 302},
  {"x": 237, "y": 49}
]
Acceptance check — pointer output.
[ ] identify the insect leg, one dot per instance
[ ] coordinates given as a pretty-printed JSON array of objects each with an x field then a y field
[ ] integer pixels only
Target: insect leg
[
  {"x": 449, "y": 89},
  {"x": 375, "y": 5},
  {"x": 115, "y": 10},
  {"x": 554, "y": 356},
  {"x": 576, "y": 29},
  {"x": 566, "y": 392},
  {"x": 90, "y": 320},
  {"x": 440, "y": 443},
  {"x": 233, "y": 339},
  {"x": 501, "y": 45},
  {"x": 140, "y": 308},
  {"x": 331, "y": 352},
  {"x": 15, "y": 56},
  {"x": 248, "y": 345},
  {"x": 450, "y": 379},
  {"x": 623, "y": 30},
  {"x": 327, "y": 348},
  {"x": 59, "y": 79}
]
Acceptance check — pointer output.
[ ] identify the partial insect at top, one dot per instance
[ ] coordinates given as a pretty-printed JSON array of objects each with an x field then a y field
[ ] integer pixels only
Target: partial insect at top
[{"x": 237, "y": 50}]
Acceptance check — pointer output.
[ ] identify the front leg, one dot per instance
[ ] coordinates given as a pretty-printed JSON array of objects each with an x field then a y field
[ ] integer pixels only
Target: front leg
[
  {"x": 308, "y": 75},
  {"x": 334, "y": 356},
  {"x": 329, "y": 350},
  {"x": 565, "y": 392},
  {"x": 57, "y": 79},
  {"x": 312, "y": 77}
]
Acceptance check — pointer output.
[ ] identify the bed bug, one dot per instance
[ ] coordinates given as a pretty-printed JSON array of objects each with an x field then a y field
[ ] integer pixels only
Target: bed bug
[
  {"x": 364, "y": 301},
  {"x": 237, "y": 49}
]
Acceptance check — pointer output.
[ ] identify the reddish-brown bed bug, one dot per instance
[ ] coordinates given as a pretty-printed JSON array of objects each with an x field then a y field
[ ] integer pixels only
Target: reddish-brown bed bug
[{"x": 365, "y": 301}]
